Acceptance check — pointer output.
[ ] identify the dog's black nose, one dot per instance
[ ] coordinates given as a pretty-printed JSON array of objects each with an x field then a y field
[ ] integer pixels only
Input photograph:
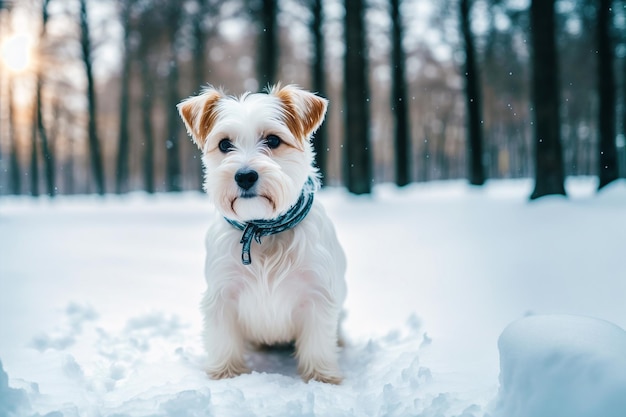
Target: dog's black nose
[{"x": 246, "y": 179}]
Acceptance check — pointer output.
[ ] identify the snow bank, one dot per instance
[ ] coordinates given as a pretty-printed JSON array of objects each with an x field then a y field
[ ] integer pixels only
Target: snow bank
[{"x": 562, "y": 366}]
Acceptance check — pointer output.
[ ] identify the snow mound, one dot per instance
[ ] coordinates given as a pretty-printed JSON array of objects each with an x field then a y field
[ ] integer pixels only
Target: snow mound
[{"x": 562, "y": 366}]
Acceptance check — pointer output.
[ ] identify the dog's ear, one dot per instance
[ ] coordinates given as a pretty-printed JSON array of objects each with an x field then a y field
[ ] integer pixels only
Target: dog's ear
[
  {"x": 304, "y": 111},
  {"x": 199, "y": 114}
]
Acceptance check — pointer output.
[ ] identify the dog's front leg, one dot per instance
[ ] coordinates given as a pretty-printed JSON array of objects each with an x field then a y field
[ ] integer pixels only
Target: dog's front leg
[
  {"x": 223, "y": 339},
  {"x": 316, "y": 346}
]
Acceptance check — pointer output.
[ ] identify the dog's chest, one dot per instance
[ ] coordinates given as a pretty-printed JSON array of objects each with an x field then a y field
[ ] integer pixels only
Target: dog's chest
[
  {"x": 266, "y": 314},
  {"x": 272, "y": 290}
]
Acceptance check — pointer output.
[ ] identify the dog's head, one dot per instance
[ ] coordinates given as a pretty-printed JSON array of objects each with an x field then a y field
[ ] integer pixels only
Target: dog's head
[{"x": 255, "y": 148}]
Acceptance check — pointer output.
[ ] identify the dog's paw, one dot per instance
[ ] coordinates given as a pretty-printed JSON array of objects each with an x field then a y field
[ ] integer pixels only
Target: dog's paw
[
  {"x": 228, "y": 371},
  {"x": 327, "y": 377}
]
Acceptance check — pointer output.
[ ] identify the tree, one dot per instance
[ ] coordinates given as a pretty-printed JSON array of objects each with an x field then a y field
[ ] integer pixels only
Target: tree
[
  {"x": 198, "y": 23},
  {"x": 357, "y": 166},
  {"x": 202, "y": 24},
  {"x": 146, "y": 42},
  {"x": 48, "y": 157},
  {"x": 199, "y": 42},
  {"x": 68, "y": 166},
  {"x": 549, "y": 175},
  {"x": 623, "y": 117},
  {"x": 267, "y": 56},
  {"x": 173, "y": 168},
  {"x": 146, "y": 123},
  {"x": 34, "y": 158},
  {"x": 123, "y": 147},
  {"x": 320, "y": 140},
  {"x": 399, "y": 104},
  {"x": 2, "y": 6},
  {"x": 473, "y": 100},
  {"x": 92, "y": 130},
  {"x": 607, "y": 111},
  {"x": 15, "y": 176}
]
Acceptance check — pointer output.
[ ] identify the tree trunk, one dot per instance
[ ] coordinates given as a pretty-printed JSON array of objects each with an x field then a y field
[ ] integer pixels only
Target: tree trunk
[
  {"x": 424, "y": 173},
  {"x": 15, "y": 178},
  {"x": 268, "y": 44},
  {"x": 199, "y": 67},
  {"x": 624, "y": 109},
  {"x": 549, "y": 176},
  {"x": 399, "y": 104},
  {"x": 123, "y": 147},
  {"x": 473, "y": 101},
  {"x": 442, "y": 158},
  {"x": 320, "y": 140},
  {"x": 68, "y": 171},
  {"x": 146, "y": 118},
  {"x": 357, "y": 166},
  {"x": 608, "y": 168},
  {"x": 199, "y": 45},
  {"x": 34, "y": 158},
  {"x": 48, "y": 157},
  {"x": 69, "y": 179},
  {"x": 94, "y": 144},
  {"x": 173, "y": 168}
]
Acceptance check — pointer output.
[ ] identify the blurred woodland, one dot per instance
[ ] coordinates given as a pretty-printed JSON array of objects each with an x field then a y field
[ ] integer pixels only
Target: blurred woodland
[{"x": 419, "y": 89}]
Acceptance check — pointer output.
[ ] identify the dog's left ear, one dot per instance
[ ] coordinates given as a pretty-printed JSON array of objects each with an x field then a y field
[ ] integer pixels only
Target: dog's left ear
[
  {"x": 304, "y": 111},
  {"x": 199, "y": 114}
]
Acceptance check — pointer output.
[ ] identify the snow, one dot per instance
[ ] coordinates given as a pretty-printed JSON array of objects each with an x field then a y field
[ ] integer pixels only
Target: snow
[
  {"x": 99, "y": 306},
  {"x": 562, "y": 365}
]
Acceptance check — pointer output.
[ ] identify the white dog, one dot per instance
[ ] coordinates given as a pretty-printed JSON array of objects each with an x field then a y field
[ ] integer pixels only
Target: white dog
[{"x": 274, "y": 267}]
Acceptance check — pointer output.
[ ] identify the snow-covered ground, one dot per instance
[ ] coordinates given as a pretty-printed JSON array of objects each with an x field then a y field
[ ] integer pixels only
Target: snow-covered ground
[{"x": 99, "y": 307}]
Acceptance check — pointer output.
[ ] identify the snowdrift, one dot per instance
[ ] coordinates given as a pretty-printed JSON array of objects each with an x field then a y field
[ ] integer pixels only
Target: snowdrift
[{"x": 562, "y": 366}]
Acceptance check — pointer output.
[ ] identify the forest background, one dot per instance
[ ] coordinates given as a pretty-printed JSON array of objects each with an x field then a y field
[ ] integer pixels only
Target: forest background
[{"x": 420, "y": 90}]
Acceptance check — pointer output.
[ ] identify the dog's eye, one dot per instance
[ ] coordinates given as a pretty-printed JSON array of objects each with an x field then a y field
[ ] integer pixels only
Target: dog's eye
[
  {"x": 225, "y": 146},
  {"x": 273, "y": 141}
]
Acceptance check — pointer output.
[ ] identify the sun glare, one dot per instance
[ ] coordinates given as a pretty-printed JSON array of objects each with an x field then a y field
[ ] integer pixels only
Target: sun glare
[{"x": 16, "y": 53}]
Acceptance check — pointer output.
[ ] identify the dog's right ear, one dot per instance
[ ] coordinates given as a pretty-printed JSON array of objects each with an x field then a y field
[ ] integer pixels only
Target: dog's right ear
[{"x": 199, "y": 114}]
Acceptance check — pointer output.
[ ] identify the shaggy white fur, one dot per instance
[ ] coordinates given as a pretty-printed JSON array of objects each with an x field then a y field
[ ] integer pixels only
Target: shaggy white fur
[{"x": 294, "y": 288}]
